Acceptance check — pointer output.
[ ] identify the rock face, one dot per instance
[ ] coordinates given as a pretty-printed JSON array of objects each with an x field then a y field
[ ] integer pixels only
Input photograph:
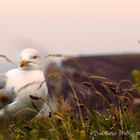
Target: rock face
[
  {"x": 114, "y": 67},
  {"x": 82, "y": 79}
]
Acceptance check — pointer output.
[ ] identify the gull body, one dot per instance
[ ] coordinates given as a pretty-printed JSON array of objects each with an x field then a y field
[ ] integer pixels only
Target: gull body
[{"x": 24, "y": 82}]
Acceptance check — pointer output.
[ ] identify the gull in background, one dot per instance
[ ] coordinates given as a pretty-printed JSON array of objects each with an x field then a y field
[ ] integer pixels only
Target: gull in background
[{"x": 21, "y": 89}]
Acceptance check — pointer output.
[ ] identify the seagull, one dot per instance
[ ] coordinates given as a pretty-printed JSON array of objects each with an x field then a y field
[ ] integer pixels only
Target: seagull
[{"x": 23, "y": 91}]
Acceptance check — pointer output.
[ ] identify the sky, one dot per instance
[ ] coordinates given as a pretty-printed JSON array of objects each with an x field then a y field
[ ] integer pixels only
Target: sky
[{"x": 73, "y": 27}]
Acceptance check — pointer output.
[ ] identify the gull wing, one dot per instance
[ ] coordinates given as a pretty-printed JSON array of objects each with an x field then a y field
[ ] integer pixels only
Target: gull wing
[{"x": 7, "y": 95}]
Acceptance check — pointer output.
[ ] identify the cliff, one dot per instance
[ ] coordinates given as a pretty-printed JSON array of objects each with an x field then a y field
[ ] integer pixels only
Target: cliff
[{"x": 97, "y": 81}]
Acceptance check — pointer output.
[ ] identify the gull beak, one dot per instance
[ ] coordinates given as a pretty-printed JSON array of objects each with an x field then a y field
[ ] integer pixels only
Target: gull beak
[{"x": 24, "y": 63}]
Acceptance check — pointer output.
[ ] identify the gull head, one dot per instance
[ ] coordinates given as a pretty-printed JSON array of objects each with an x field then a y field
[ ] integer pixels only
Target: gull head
[{"x": 30, "y": 59}]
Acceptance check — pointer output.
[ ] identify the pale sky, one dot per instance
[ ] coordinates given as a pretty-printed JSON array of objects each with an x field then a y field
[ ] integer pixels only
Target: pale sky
[{"x": 77, "y": 27}]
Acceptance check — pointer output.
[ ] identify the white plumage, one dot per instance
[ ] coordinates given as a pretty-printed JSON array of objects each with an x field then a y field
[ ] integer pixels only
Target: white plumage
[{"x": 25, "y": 87}]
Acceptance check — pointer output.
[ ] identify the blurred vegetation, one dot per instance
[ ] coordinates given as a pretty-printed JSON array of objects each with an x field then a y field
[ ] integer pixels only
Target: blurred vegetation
[
  {"x": 117, "y": 123},
  {"x": 136, "y": 75}
]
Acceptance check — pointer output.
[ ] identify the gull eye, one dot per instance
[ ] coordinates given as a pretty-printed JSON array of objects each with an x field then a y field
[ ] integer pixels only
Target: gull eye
[{"x": 35, "y": 57}]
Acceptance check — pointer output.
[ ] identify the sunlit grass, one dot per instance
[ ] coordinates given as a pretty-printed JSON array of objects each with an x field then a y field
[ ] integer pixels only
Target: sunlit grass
[
  {"x": 118, "y": 122},
  {"x": 68, "y": 123}
]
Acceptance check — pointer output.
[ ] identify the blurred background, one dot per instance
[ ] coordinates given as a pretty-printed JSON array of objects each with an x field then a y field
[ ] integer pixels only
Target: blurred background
[
  {"x": 87, "y": 28},
  {"x": 102, "y": 36},
  {"x": 74, "y": 27}
]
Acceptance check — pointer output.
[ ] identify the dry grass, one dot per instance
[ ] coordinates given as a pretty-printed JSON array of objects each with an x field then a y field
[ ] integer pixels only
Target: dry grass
[
  {"x": 81, "y": 121},
  {"x": 68, "y": 123}
]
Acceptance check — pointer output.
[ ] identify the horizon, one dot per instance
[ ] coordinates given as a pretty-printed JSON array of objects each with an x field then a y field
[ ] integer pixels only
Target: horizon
[
  {"x": 76, "y": 27},
  {"x": 5, "y": 65}
]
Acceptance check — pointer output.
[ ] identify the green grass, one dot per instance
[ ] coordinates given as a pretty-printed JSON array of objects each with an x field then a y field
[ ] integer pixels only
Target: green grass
[
  {"x": 68, "y": 123},
  {"x": 117, "y": 123},
  {"x": 68, "y": 126}
]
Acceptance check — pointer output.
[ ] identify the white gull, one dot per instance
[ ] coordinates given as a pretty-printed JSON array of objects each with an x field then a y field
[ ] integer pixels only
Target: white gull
[{"x": 21, "y": 89}]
